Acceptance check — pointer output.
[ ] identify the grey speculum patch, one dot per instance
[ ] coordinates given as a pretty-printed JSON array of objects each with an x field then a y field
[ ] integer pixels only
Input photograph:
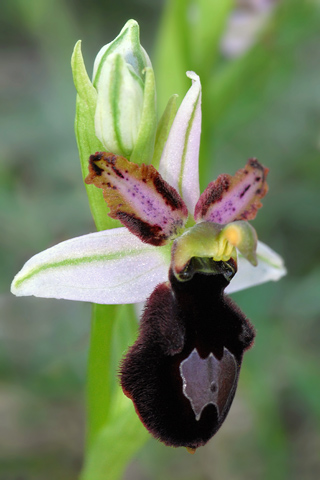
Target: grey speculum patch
[{"x": 208, "y": 380}]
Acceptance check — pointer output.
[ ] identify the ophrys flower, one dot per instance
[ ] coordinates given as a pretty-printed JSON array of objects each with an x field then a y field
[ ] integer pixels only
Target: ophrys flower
[{"x": 184, "y": 250}]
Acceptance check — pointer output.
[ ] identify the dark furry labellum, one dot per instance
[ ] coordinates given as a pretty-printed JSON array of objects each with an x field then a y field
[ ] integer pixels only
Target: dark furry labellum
[{"x": 182, "y": 372}]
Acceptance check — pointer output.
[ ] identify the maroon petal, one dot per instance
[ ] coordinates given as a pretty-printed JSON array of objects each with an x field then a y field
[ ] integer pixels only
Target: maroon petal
[
  {"x": 138, "y": 196},
  {"x": 182, "y": 372},
  {"x": 235, "y": 197}
]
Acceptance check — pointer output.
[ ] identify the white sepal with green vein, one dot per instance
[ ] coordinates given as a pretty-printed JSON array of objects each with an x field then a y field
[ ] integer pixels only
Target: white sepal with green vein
[
  {"x": 114, "y": 267},
  {"x": 109, "y": 267}
]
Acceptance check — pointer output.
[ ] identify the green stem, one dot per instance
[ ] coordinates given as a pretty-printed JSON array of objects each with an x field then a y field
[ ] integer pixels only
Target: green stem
[{"x": 100, "y": 375}]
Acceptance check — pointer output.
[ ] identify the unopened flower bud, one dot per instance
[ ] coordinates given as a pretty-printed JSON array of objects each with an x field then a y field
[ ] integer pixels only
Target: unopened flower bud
[{"x": 125, "y": 118}]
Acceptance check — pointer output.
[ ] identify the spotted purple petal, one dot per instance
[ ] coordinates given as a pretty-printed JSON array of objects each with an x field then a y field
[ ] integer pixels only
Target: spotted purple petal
[
  {"x": 138, "y": 196},
  {"x": 231, "y": 198}
]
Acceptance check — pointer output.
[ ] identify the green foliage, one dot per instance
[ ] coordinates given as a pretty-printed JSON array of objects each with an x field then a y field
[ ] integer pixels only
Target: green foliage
[{"x": 188, "y": 39}]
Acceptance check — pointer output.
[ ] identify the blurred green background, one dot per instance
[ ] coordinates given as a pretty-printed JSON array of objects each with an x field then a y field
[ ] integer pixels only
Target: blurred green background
[{"x": 271, "y": 112}]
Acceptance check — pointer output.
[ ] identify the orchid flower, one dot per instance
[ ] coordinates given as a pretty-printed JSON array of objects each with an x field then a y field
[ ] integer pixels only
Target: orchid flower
[
  {"x": 115, "y": 266},
  {"x": 177, "y": 250}
]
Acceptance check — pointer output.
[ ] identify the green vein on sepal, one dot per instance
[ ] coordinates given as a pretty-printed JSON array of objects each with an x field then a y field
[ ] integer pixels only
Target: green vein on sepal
[
  {"x": 113, "y": 46},
  {"x": 114, "y": 97},
  {"x": 73, "y": 262},
  {"x": 266, "y": 260}
]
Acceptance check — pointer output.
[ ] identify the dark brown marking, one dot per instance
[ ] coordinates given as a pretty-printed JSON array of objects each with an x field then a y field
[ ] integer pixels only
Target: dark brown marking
[
  {"x": 147, "y": 233},
  {"x": 110, "y": 158},
  {"x": 215, "y": 194},
  {"x": 117, "y": 172},
  {"x": 97, "y": 170},
  {"x": 244, "y": 191},
  {"x": 167, "y": 192},
  {"x": 97, "y": 156},
  {"x": 253, "y": 162}
]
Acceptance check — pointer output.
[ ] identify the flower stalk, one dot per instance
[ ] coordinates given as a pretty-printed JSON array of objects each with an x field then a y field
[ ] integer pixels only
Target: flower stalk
[{"x": 100, "y": 375}]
